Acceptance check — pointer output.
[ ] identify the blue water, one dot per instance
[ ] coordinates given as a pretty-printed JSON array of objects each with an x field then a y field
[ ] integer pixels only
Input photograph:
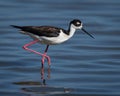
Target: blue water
[{"x": 81, "y": 66}]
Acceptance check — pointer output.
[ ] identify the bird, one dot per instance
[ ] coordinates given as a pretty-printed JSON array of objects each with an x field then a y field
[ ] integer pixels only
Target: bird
[{"x": 49, "y": 35}]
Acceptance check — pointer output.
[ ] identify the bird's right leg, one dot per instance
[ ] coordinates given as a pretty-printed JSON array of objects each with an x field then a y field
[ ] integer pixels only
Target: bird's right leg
[{"x": 46, "y": 56}]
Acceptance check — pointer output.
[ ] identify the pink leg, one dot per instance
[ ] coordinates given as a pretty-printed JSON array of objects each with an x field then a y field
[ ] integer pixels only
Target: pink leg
[{"x": 43, "y": 55}]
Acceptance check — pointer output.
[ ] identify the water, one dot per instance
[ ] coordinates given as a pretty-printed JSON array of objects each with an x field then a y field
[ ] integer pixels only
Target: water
[{"x": 81, "y": 66}]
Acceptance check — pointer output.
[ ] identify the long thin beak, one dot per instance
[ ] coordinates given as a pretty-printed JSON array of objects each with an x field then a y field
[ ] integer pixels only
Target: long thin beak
[{"x": 87, "y": 33}]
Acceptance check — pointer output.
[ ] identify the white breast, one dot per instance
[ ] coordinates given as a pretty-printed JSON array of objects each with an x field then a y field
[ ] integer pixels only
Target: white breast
[{"x": 54, "y": 40}]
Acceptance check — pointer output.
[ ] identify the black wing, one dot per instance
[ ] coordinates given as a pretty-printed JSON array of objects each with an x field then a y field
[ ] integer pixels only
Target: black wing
[{"x": 48, "y": 31}]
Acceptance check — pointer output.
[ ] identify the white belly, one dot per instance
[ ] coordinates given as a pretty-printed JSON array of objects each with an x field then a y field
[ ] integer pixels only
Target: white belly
[{"x": 54, "y": 40}]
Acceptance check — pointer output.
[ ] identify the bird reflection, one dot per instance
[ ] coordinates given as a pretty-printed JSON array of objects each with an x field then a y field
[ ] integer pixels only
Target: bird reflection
[
  {"x": 42, "y": 71},
  {"x": 45, "y": 75}
]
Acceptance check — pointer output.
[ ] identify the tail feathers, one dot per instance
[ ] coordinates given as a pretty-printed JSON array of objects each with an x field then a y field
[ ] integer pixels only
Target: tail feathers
[{"x": 16, "y": 26}]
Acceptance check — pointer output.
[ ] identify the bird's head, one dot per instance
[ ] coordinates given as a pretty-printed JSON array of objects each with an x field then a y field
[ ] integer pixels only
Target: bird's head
[{"x": 77, "y": 24}]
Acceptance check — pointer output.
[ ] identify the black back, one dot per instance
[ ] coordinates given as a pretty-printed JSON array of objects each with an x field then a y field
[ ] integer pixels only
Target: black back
[{"x": 48, "y": 31}]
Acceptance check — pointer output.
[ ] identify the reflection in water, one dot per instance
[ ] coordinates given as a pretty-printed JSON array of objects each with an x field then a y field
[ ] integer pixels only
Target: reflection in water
[
  {"x": 44, "y": 88},
  {"x": 32, "y": 88},
  {"x": 43, "y": 83},
  {"x": 42, "y": 70}
]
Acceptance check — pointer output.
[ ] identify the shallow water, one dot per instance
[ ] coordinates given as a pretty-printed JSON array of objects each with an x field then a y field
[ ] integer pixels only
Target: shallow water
[{"x": 81, "y": 66}]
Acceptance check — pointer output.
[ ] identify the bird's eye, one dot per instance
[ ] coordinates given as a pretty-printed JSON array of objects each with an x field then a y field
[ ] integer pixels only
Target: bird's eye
[{"x": 78, "y": 24}]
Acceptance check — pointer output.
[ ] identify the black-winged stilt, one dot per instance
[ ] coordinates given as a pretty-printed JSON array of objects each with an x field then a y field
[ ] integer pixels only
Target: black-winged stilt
[{"x": 50, "y": 35}]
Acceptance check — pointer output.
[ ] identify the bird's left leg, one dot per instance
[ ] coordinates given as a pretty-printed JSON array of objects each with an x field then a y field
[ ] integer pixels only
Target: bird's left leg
[
  {"x": 29, "y": 44},
  {"x": 44, "y": 55}
]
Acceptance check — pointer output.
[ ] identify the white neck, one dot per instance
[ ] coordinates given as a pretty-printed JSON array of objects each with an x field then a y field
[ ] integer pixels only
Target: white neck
[{"x": 72, "y": 30}]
